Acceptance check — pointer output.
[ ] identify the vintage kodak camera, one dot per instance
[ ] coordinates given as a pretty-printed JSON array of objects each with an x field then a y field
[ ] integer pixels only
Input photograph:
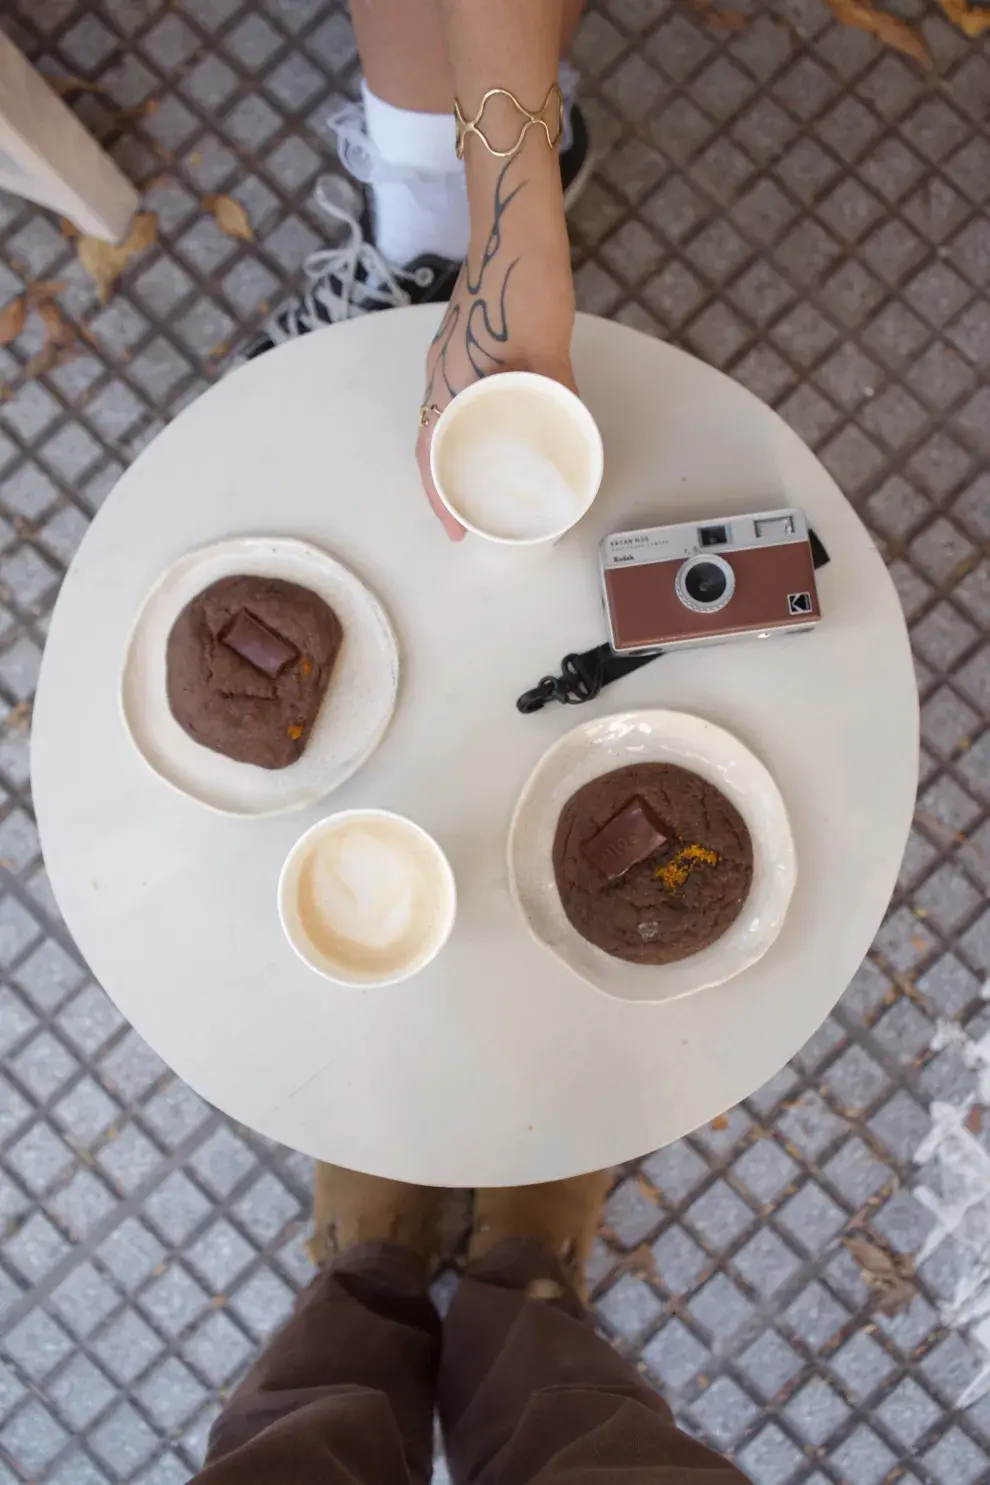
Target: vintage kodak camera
[{"x": 700, "y": 582}]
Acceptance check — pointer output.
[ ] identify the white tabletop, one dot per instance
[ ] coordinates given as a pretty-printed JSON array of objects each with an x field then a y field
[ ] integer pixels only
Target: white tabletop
[{"x": 496, "y": 1065}]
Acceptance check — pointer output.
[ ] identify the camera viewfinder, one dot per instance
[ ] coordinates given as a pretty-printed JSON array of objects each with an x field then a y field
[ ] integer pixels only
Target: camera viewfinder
[{"x": 713, "y": 536}]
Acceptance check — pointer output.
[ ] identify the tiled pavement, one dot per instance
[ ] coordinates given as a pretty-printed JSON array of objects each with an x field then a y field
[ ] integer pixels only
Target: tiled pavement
[{"x": 807, "y": 211}]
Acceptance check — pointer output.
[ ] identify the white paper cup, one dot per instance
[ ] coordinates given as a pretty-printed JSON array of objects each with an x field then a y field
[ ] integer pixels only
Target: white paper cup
[
  {"x": 340, "y": 967},
  {"x": 542, "y": 414}
]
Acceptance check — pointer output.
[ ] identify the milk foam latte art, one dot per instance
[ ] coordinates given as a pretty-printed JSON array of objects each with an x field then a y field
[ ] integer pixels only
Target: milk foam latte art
[
  {"x": 367, "y": 897},
  {"x": 517, "y": 458}
]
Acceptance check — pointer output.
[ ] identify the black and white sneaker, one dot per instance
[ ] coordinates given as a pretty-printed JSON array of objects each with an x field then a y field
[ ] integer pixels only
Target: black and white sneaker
[{"x": 355, "y": 278}]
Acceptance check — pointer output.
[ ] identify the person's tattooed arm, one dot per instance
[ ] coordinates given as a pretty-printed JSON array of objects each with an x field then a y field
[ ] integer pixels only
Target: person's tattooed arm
[
  {"x": 512, "y": 308},
  {"x": 476, "y": 320}
]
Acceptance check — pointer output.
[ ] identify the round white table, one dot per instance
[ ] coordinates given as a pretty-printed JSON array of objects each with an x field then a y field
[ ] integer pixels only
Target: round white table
[{"x": 496, "y": 1065}]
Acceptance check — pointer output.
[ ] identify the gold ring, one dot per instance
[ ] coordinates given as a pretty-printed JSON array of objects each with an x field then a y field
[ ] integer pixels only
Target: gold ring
[{"x": 426, "y": 411}]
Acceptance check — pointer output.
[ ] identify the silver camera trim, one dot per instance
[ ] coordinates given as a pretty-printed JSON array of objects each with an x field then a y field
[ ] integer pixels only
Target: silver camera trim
[{"x": 706, "y": 555}]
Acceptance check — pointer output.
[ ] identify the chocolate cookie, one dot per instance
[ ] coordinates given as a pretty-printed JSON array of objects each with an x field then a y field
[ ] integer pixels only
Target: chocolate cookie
[
  {"x": 247, "y": 665},
  {"x": 652, "y": 862}
]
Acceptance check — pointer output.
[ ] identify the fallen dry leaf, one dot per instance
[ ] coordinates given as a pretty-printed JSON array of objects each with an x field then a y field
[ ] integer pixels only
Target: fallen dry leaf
[
  {"x": 972, "y": 20},
  {"x": 72, "y": 84},
  {"x": 889, "y": 29},
  {"x": 60, "y": 338},
  {"x": 719, "y": 1123},
  {"x": 58, "y": 331},
  {"x": 230, "y": 216},
  {"x": 67, "y": 228},
  {"x": 106, "y": 261},
  {"x": 642, "y": 1262},
  {"x": 18, "y": 719},
  {"x": 44, "y": 289},
  {"x": 974, "y": 1119},
  {"x": 138, "y": 110},
  {"x": 720, "y": 20},
  {"x": 13, "y": 318},
  {"x": 919, "y": 943},
  {"x": 143, "y": 233},
  {"x": 922, "y": 817},
  {"x": 889, "y": 1275}
]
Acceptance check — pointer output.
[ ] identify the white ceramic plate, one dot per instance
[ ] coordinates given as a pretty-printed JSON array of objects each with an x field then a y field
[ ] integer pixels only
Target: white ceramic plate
[
  {"x": 351, "y": 721},
  {"x": 598, "y": 747}
]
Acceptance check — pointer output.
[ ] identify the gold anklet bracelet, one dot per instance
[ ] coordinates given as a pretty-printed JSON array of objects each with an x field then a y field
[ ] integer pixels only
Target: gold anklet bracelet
[{"x": 553, "y": 104}]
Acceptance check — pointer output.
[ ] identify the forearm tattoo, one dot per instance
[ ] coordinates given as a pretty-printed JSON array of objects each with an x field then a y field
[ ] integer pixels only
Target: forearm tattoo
[{"x": 480, "y": 321}]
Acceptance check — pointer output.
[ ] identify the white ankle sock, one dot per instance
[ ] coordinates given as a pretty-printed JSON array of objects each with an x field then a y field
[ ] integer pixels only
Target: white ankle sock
[{"x": 419, "y": 199}]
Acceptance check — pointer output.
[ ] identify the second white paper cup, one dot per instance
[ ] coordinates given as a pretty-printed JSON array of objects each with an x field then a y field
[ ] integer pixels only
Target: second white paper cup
[{"x": 435, "y": 934}]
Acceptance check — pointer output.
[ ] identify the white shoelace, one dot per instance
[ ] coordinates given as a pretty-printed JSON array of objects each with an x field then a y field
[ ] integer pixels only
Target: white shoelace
[{"x": 353, "y": 278}]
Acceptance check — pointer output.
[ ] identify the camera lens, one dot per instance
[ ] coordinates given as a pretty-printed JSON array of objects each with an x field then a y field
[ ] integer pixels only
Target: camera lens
[{"x": 705, "y": 583}]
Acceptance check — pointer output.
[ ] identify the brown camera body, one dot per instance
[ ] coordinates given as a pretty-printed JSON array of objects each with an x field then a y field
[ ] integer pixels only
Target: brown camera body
[{"x": 702, "y": 582}]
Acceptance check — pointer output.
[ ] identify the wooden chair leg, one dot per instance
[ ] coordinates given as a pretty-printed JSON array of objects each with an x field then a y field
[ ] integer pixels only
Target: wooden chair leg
[{"x": 47, "y": 156}]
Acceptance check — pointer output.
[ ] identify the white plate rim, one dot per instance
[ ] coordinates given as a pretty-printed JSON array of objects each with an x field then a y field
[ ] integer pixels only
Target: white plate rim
[
  {"x": 257, "y": 546},
  {"x": 657, "y": 717}
]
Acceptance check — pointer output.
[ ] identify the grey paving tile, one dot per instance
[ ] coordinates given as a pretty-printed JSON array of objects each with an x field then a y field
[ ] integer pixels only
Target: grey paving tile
[
  {"x": 84, "y": 1299},
  {"x": 770, "y": 1458},
  {"x": 720, "y": 1215},
  {"x": 766, "y": 1262},
  {"x": 77, "y": 1468},
  {"x": 721, "y": 1310},
  {"x": 43, "y": 1066},
  {"x": 629, "y": 1308},
  {"x": 815, "y": 1316},
  {"x": 217, "y": 1348},
  {"x": 674, "y": 1355},
  {"x": 724, "y": 1411},
  {"x": 89, "y": 1019},
  {"x": 765, "y": 1169},
  {"x": 123, "y": 1441},
  {"x": 816, "y": 1411},
  {"x": 37, "y": 1344},
  {"x": 222, "y": 1162},
  {"x": 904, "y": 1222},
  {"x": 129, "y": 1159},
  {"x": 174, "y": 1300},
  {"x": 863, "y": 1457},
  {"x": 130, "y": 1253},
  {"x": 82, "y": 1204},
  {"x": 127, "y": 1347},
  {"x": 679, "y": 1260},
  {"x": 33, "y": 1437},
  {"x": 771, "y": 1363},
  {"x": 11, "y": 1391},
  {"x": 171, "y": 1394},
  {"x": 81, "y": 1392},
  {"x": 908, "y": 1412},
  {"x": 862, "y": 1365},
  {"x": 856, "y": 1080},
  {"x": 131, "y": 1067},
  {"x": 86, "y": 1111},
  {"x": 809, "y": 1125},
  {"x": 35, "y": 1248},
  {"x": 956, "y": 1458}
]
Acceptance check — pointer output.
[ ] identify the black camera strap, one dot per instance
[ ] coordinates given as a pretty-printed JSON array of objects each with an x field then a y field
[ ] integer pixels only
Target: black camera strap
[{"x": 583, "y": 676}]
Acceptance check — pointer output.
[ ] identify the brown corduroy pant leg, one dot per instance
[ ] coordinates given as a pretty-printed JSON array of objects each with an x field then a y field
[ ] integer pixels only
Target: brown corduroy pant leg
[{"x": 527, "y": 1393}]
